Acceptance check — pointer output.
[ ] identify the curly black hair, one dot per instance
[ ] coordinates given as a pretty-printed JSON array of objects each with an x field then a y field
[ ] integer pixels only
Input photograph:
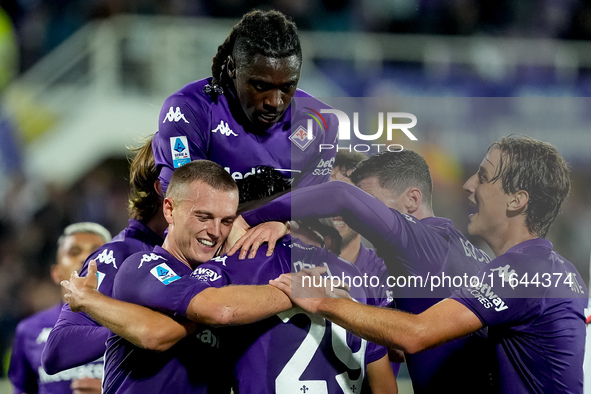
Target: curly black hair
[{"x": 266, "y": 33}]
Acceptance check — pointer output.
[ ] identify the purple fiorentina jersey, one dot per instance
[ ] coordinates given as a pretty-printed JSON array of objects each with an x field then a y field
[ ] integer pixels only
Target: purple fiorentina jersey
[
  {"x": 533, "y": 302},
  {"x": 422, "y": 249},
  {"x": 25, "y": 371},
  {"x": 149, "y": 279},
  {"x": 64, "y": 346},
  {"x": 369, "y": 263},
  {"x": 194, "y": 126},
  {"x": 292, "y": 351}
]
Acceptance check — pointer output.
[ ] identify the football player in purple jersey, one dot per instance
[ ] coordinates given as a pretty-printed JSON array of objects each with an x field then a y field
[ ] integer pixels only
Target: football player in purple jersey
[
  {"x": 25, "y": 371},
  {"x": 145, "y": 230},
  {"x": 530, "y": 298},
  {"x": 352, "y": 249},
  {"x": 244, "y": 116},
  {"x": 336, "y": 363},
  {"x": 392, "y": 209}
]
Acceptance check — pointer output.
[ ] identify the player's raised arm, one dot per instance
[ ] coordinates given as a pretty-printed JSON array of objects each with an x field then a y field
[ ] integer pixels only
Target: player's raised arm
[{"x": 362, "y": 212}]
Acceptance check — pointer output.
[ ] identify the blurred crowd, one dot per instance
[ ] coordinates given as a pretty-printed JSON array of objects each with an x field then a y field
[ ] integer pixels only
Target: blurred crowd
[{"x": 41, "y": 25}]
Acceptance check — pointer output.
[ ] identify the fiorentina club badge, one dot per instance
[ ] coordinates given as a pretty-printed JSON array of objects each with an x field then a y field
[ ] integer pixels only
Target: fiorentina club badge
[{"x": 300, "y": 138}]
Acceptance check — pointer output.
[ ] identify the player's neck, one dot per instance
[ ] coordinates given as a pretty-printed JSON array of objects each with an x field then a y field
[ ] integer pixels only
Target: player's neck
[
  {"x": 158, "y": 224},
  {"x": 350, "y": 252},
  {"x": 510, "y": 236},
  {"x": 422, "y": 212}
]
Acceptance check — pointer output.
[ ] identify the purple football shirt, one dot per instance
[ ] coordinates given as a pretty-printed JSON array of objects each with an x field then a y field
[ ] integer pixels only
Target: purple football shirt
[
  {"x": 25, "y": 371},
  {"x": 293, "y": 351},
  {"x": 150, "y": 279},
  {"x": 369, "y": 263},
  {"x": 64, "y": 346},
  {"x": 423, "y": 249},
  {"x": 533, "y": 302},
  {"x": 194, "y": 126}
]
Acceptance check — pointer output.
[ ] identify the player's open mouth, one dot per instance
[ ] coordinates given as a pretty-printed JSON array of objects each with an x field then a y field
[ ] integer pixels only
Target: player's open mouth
[
  {"x": 205, "y": 242},
  {"x": 338, "y": 221},
  {"x": 472, "y": 208}
]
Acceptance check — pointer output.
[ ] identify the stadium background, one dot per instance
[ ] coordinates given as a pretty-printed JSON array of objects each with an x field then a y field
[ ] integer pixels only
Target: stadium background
[{"x": 81, "y": 80}]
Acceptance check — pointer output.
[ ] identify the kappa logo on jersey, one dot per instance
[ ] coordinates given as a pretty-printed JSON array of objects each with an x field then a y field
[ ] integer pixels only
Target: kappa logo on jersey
[
  {"x": 220, "y": 259},
  {"x": 179, "y": 150},
  {"x": 506, "y": 273},
  {"x": 164, "y": 273},
  {"x": 301, "y": 138},
  {"x": 174, "y": 116},
  {"x": 149, "y": 257},
  {"x": 324, "y": 167},
  {"x": 224, "y": 129},
  {"x": 205, "y": 274},
  {"x": 106, "y": 257},
  {"x": 43, "y": 335}
]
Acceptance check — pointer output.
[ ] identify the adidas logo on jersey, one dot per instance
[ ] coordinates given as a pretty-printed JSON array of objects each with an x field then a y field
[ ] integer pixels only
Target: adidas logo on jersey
[
  {"x": 174, "y": 116},
  {"x": 224, "y": 129}
]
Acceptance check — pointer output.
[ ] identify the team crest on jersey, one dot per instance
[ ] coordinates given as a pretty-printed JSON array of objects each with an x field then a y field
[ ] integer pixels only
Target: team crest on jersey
[
  {"x": 164, "y": 273},
  {"x": 179, "y": 150},
  {"x": 174, "y": 116},
  {"x": 301, "y": 138}
]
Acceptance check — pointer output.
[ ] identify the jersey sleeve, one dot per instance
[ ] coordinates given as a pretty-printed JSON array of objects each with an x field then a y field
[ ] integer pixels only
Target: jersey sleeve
[
  {"x": 75, "y": 340},
  {"x": 157, "y": 285},
  {"x": 362, "y": 212},
  {"x": 374, "y": 352},
  {"x": 498, "y": 298},
  {"x": 20, "y": 373},
  {"x": 183, "y": 135}
]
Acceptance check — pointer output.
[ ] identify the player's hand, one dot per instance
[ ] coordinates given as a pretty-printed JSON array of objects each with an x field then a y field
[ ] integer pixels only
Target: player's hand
[
  {"x": 308, "y": 288},
  {"x": 78, "y": 288},
  {"x": 86, "y": 386},
  {"x": 268, "y": 232}
]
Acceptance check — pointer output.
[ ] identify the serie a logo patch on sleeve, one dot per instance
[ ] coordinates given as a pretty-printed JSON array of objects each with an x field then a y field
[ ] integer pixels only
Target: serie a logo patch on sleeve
[
  {"x": 164, "y": 273},
  {"x": 179, "y": 150}
]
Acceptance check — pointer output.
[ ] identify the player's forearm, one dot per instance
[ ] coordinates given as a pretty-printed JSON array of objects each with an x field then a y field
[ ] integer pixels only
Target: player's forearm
[
  {"x": 387, "y": 327},
  {"x": 139, "y": 325},
  {"x": 362, "y": 212},
  {"x": 236, "y": 305}
]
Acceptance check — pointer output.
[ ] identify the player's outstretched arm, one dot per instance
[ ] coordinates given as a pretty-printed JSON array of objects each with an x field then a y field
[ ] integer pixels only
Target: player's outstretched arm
[
  {"x": 443, "y": 322},
  {"x": 61, "y": 351},
  {"x": 362, "y": 212},
  {"x": 139, "y": 325},
  {"x": 235, "y": 305}
]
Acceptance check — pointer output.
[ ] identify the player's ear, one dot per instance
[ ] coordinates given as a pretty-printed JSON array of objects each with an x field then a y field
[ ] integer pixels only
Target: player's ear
[
  {"x": 413, "y": 200},
  {"x": 231, "y": 67},
  {"x": 518, "y": 201},
  {"x": 167, "y": 208},
  {"x": 158, "y": 187},
  {"x": 55, "y": 274}
]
